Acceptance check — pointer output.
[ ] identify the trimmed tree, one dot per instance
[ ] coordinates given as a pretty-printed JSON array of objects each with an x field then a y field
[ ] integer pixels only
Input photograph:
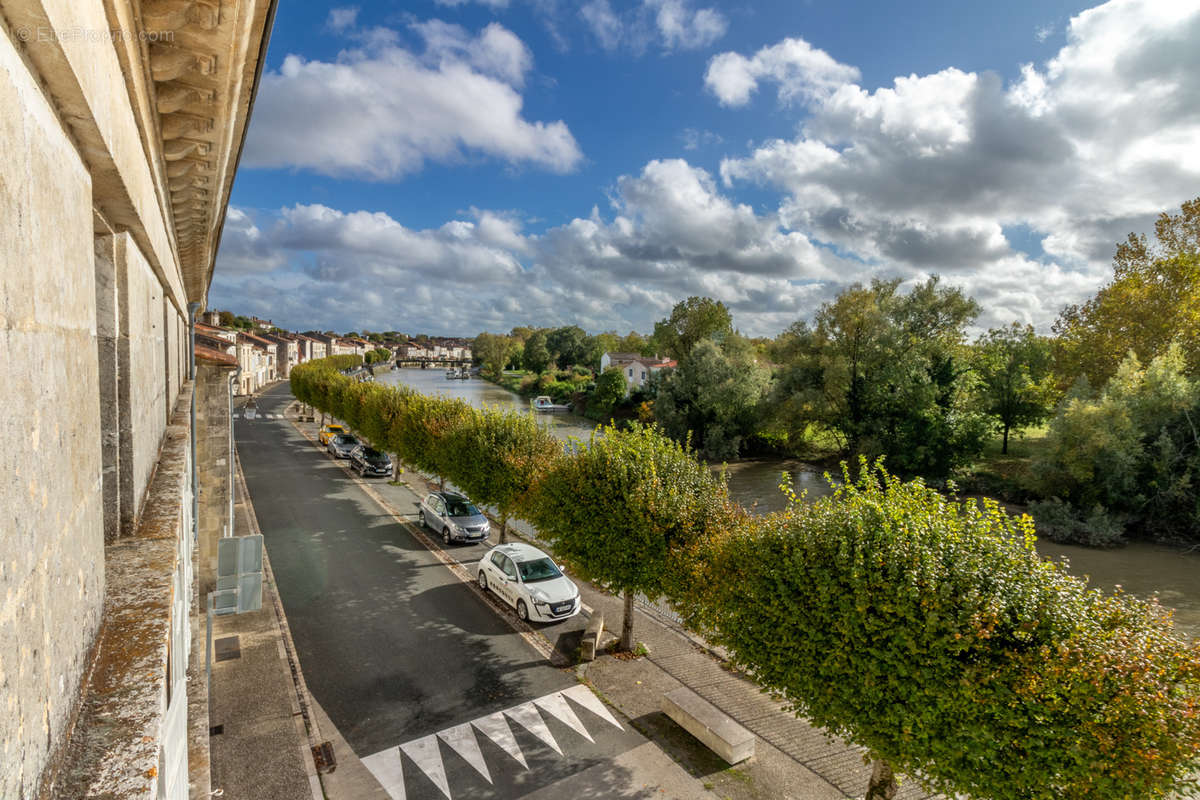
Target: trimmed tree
[
  {"x": 422, "y": 429},
  {"x": 623, "y": 510},
  {"x": 497, "y": 455},
  {"x": 932, "y": 634}
]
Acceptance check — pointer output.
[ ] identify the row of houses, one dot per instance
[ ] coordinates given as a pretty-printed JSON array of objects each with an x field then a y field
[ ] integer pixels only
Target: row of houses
[
  {"x": 263, "y": 356},
  {"x": 434, "y": 349}
]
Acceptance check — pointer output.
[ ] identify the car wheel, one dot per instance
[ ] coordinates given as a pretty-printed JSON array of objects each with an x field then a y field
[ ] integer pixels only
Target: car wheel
[
  {"x": 421, "y": 517},
  {"x": 522, "y": 611},
  {"x": 483, "y": 581},
  {"x": 445, "y": 536}
]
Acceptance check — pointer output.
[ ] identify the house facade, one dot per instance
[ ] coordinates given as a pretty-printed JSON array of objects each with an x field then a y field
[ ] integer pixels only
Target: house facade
[{"x": 635, "y": 368}]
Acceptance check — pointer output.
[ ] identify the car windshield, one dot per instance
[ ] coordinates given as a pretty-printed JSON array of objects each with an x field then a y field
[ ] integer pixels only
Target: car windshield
[
  {"x": 458, "y": 507},
  {"x": 346, "y": 438},
  {"x": 542, "y": 569},
  {"x": 372, "y": 455},
  {"x": 335, "y": 429}
]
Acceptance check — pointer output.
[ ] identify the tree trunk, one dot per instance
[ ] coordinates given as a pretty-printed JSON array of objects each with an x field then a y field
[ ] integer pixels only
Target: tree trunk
[
  {"x": 883, "y": 784},
  {"x": 626, "y": 642},
  {"x": 1004, "y": 447},
  {"x": 503, "y": 530},
  {"x": 322, "y": 419}
]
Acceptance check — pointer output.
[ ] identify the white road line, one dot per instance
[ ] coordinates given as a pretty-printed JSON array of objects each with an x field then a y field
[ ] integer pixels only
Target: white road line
[
  {"x": 527, "y": 716},
  {"x": 495, "y": 728},
  {"x": 385, "y": 766},
  {"x": 587, "y": 698},
  {"x": 462, "y": 741},
  {"x": 556, "y": 706},
  {"x": 425, "y": 754}
]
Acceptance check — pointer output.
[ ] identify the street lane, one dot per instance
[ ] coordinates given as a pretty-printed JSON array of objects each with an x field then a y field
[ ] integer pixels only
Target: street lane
[{"x": 395, "y": 648}]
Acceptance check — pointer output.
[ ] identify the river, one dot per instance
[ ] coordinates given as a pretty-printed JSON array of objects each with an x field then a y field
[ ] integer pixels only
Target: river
[{"x": 1140, "y": 568}]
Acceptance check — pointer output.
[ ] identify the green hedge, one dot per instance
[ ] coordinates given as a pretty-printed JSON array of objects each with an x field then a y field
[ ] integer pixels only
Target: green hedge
[
  {"x": 933, "y": 634},
  {"x": 927, "y": 631}
]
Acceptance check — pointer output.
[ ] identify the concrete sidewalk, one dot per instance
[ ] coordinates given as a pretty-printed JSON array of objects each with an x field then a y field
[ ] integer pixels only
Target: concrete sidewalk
[
  {"x": 259, "y": 743},
  {"x": 793, "y": 758}
]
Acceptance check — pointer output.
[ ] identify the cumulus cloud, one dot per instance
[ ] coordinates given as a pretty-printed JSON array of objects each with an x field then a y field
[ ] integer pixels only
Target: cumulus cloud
[
  {"x": 341, "y": 19},
  {"x": 671, "y": 233},
  {"x": 928, "y": 173},
  {"x": 381, "y": 111},
  {"x": 674, "y": 24},
  {"x": 800, "y": 70}
]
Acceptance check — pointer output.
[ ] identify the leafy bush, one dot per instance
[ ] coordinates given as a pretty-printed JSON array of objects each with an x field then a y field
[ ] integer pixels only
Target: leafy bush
[
  {"x": 1133, "y": 449},
  {"x": 1060, "y": 522},
  {"x": 933, "y": 634}
]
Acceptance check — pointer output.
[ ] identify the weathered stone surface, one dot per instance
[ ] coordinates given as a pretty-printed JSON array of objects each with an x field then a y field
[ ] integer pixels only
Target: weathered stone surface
[
  {"x": 51, "y": 524},
  {"x": 709, "y": 724}
]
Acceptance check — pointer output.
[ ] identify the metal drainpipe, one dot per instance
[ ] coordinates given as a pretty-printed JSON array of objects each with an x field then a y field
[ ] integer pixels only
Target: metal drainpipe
[
  {"x": 192, "y": 308},
  {"x": 234, "y": 378}
]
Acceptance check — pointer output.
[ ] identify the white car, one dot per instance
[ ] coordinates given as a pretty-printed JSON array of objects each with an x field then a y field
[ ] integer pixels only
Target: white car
[{"x": 528, "y": 580}]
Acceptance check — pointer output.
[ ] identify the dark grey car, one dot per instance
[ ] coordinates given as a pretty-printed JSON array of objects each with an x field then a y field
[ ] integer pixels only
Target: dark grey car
[
  {"x": 455, "y": 517},
  {"x": 342, "y": 445},
  {"x": 369, "y": 461}
]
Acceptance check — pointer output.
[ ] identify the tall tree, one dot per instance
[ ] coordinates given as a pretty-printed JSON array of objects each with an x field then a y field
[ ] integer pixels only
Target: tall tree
[
  {"x": 625, "y": 508},
  {"x": 889, "y": 371},
  {"x": 536, "y": 357},
  {"x": 1015, "y": 368},
  {"x": 714, "y": 395},
  {"x": 692, "y": 321},
  {"x": 1152, "y": 300},
  {"x": 569, "y": 346},
  {"x": 493, "y": 351}
]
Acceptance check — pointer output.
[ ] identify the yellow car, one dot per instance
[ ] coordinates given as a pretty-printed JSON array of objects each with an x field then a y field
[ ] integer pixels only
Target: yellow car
[{"x": 330, "y": 431}]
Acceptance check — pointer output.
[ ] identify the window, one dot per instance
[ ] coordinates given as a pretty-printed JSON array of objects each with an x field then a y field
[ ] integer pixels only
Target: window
[
  {"x": 643, "y": 374},
  {"x": 631, "y": 372},
  {"x": 506, "y": 565}
]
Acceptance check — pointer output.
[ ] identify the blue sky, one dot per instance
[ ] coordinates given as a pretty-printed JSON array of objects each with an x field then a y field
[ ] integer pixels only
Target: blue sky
[{"x": 459, "y": 166}]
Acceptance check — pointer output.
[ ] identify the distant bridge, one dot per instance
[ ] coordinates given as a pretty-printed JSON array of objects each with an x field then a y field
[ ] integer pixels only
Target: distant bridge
[{"x": 424, "y": 362}]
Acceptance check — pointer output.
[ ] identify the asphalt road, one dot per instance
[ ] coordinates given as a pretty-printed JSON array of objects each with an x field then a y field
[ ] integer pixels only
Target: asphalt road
[{"x": 398, "y": 651}]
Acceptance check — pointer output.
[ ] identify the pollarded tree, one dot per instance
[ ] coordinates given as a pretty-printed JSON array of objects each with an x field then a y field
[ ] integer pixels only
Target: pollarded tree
[
  {"x": 932, "y": 634},
  {"x": 496, "y": 455},
  {"x": 422, "y": 429},
  {"x": 624, "y": 508}
]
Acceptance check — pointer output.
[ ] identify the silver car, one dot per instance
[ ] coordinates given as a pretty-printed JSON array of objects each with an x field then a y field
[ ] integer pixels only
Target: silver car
[
  {"x": 342, "y": 445},
  {"x": 453, "y": 516}
]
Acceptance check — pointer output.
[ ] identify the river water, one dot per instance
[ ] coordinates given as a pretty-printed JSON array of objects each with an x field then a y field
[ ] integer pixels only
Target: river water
[{"x": 1141, "y": 569}]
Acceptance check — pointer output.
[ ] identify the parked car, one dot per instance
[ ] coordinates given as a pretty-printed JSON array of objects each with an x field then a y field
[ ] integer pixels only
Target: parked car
[
  {"x": 328, "y": 432},
  {"x": 528, "y": 580},
  {"x": 453, "y": 516},
  {"x": 342, "y": 445},
  {"x": 369, "y": 461}
]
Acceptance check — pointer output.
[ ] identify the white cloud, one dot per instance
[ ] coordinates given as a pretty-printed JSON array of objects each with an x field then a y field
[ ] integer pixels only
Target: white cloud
[
  {"x": 680, "y": 27},
  {"x": 382, "y": 111},
  {"x": 672, "y": 23},
  {"x": 801, "y": 71},
  {"x": 341, "y": 19},
  {"x": 929, "y": 173},
  {"x": 1043, "y": 32},
  {"x": 495, "y": 4}
]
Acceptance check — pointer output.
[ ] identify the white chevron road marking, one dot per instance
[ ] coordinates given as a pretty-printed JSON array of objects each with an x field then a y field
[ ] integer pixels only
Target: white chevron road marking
[
  {"x": 385, "y": 766},
  {"x": 529, "y": 718},
  {"x": 462, "y": 741},
  {"x": 556, "y": 706},
  {"x": 587, "y": 698},
  {"x": 495, "y": 728},
  {"x": 426, "y": 753}
]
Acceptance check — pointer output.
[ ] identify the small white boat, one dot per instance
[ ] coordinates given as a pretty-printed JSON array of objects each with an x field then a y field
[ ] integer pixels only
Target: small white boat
[{"x": 544, "y": 403}]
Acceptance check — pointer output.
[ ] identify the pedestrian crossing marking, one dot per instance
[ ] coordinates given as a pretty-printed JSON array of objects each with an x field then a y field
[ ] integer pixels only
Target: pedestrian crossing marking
[
  {"x": 556, "y": 706},
  {"x": 462, "y": 741},
  {"x": 495, "y": 728},
  {"x": 426, "y": 753},
  {"x": 385, "y": 766},
  {"x": 528, "y": 717},
  {"x": 586, "y": 698}
]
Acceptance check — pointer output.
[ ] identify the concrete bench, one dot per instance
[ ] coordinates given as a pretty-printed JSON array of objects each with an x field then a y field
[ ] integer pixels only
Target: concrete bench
[
  {"x": 591, "y": 637},
  {"x": 709, "y": 724}
]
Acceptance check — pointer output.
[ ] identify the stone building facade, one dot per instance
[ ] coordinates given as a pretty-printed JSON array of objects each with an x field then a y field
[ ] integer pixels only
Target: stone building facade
[{"x": 121, "y": 124}]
